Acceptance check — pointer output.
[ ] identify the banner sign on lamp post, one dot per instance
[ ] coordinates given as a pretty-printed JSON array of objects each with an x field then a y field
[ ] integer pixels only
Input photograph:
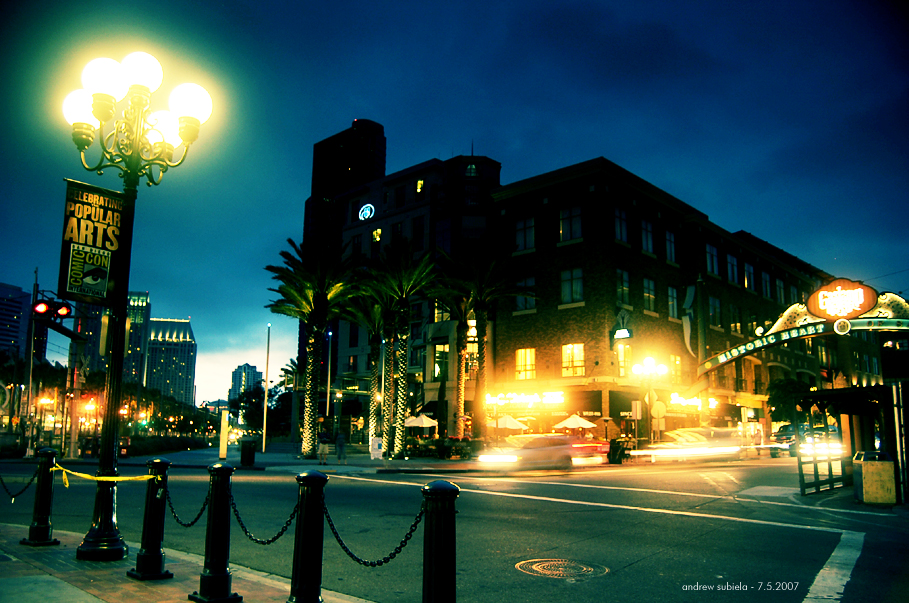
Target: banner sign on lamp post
[{"x": 97, "y": 239}]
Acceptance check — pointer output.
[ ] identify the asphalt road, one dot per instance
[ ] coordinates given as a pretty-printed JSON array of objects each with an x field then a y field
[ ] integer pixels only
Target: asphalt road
[{"x": 679, "y": 531}]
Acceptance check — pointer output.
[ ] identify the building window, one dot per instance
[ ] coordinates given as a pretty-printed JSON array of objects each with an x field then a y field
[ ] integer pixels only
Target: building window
[
  {"x": 471, "y": 171},
  {"x": 670, "y": 247},
  {"x": 440, "y": 363},
  {"x": 621, "y": 226},
  {"x": 377, "y": 235},
  {"x": 749, "y": 277},
  {"x": 765, "y": 285},
  {"x": 399, "y": 196},
  {"x": 351, "y": 364},
  {"x": 732, "y": 269},
  {"x": 622, "y": 287},
  {"x": 353, "y": 336},
  {"x": 526, "y": 364},
  {"x": 356, "y": 244},
  {"x": 713, "y": 261},
  {"x": 647, "y": 236},
  {"x": 573, "y": 360},
  {"x": 397, "y": 231},
  {"x": 780, "y": 291},
  {"x": 675, "y": 369},
  {"x": 793, "y": 294},
  {"x": 524, "y": 234},
  {"x": 526, "y": 302},
  {"x": 570, "y": 224},
  {"x": 673, "y": 302},
  {"x": 735, "y": 319},
  {"x": 716, "y": 318},
  {"x": 649, "y": 295},
  {"x": 572, "y": 286},
  {"x": 419, "y": 186},
  {"x": 441, "y": 313},
  {"x": 623, "y": 359}
]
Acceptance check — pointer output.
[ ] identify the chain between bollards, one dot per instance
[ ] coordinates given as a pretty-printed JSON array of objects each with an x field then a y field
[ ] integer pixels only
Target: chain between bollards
[
  {"x": 22, "y": 491},
  {"x": 383, "y": 560},
  {"x": 249, "y": 535}
]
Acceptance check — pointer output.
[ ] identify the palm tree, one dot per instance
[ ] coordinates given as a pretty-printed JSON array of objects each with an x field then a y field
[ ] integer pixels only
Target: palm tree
[
  {"x": 401, "y": 278},
  {"x": 368, "y": 311},
  {"x": 292, "y": 372},
  {"x": 313, "y": 287},
  {"x": 490, "y": 282},
  {"x": 474, "y": 284},
  {"x": 456, "y": 297}
]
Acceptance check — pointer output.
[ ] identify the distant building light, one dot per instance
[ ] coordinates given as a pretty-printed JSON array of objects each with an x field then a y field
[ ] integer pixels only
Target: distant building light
[{"x": 622, "y": 333}]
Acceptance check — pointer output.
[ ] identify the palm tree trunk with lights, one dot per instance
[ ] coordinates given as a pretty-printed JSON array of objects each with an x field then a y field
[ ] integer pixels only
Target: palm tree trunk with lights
[{"x": 401, "y": 352}]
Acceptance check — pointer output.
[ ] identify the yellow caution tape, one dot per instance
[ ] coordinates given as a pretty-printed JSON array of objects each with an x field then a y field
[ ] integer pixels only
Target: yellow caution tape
[{"x": 102, "y": 478}]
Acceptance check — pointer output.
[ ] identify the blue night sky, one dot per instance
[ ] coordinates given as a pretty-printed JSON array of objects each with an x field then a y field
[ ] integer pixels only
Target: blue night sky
[{"x": 786, "y": 119}]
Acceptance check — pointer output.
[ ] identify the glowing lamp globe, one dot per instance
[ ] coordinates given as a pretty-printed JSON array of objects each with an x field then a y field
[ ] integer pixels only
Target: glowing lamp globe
[
  {"x": 77, "y": 108},
  {"x": 141, "y": 68},
  {"x": 105, "y": 76},
  {"x": 191, "y": 100}
]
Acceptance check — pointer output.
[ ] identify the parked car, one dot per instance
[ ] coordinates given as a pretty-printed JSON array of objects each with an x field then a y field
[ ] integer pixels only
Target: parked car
[{"x": 543, "y": 451}]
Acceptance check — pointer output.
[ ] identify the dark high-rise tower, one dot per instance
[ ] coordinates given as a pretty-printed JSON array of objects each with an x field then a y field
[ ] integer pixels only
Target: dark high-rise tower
[{"x": 340, "y": 163}]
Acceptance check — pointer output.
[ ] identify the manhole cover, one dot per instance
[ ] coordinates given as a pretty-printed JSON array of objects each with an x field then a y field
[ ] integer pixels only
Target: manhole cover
[{"x": 560, "y": 568}]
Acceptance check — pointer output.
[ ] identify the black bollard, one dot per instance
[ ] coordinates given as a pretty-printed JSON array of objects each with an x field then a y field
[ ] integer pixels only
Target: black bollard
[
  {"x": 215, "y": 579},
  {"x": 439, "y": 542},
  {"x": 306, "y": 576},
  {"x": 150, "y": 558},
  {"x": 40, "y": 532}
]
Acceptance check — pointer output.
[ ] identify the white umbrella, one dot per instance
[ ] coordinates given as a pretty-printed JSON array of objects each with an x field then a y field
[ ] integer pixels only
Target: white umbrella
[
  {"x": 506, "y": 422},
  {"x": 420, "y": 421},
  {"x": 574, "y": 422}
]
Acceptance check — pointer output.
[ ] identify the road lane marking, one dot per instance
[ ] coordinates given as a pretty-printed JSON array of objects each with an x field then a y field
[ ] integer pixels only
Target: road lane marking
[
  {"x": 732, "y": 497},
  {"x": 603, "y": 505},
  {"x": 831, "y": 580},
  {"x": 828, "y": 585}
]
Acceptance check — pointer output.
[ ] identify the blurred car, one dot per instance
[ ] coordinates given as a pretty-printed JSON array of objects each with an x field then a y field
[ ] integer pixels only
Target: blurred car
[
  {"x": 721, "y": 443},
  {"x": 813, "y": 440},
  {"x": 543, "y": 451}
]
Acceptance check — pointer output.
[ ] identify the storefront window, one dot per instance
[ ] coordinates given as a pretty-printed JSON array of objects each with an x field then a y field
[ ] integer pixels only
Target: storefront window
[{"x": 440, "y": 363}]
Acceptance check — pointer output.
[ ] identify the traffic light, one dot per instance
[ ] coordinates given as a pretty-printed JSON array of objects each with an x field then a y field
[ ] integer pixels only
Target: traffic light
[{"x": 49, "y": 309}]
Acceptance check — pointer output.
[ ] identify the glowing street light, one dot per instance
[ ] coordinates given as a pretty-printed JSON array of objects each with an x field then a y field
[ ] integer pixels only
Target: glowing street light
[
  {"x": 140, "y": 144},
  {"x": 649, "y": 370}
]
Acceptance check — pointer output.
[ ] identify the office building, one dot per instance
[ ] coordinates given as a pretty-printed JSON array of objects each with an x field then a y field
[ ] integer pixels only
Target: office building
[
  {"x": 244, "y": 378},
  {"x": 171, "y": 366}
]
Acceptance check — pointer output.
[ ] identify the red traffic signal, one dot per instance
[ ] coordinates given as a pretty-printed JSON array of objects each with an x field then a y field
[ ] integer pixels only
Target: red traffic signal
[{"x": 52, "y": 309}]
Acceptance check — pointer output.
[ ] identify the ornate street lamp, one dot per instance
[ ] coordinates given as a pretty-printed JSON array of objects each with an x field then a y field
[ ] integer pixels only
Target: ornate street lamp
[
  {"x": 140, "y": 144},
  {"x": 648, "y": 371}
]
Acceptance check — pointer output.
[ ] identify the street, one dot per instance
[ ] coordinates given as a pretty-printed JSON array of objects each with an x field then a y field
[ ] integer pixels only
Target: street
[{"x": 641, "y": 531}]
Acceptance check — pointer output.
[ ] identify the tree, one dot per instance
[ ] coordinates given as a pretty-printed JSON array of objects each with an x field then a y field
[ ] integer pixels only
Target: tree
[
  {"x": 455, "y": 296},
  {"x": 313, "y": 287},
  {"x": 292, "y": 376},
  {"x": 368, "y": 311},
  {"x": 784, "y": 397},
  {"x": 399, "y": 279}
]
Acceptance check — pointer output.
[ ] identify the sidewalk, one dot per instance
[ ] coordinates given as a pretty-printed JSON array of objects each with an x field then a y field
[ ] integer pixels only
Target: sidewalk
[{"x": 50, "y": 574}]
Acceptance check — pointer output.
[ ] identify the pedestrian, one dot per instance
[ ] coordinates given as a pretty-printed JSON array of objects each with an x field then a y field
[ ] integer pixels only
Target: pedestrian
[
  {"x": 324, "y": 441},
  {"x": 340, "y": 447}
]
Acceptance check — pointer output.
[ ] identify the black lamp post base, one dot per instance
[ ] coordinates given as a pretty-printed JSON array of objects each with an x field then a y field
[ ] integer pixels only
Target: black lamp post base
[
  {"x": 102, "y": 548},
  {"x": 29, "y": 542}
]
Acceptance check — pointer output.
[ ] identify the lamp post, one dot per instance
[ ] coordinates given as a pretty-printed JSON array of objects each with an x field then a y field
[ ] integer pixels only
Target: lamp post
[
  {"x": 265, "y": 402},
  {"x": 649, "y": 370},
  {"x": 141, "y": 144}
]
